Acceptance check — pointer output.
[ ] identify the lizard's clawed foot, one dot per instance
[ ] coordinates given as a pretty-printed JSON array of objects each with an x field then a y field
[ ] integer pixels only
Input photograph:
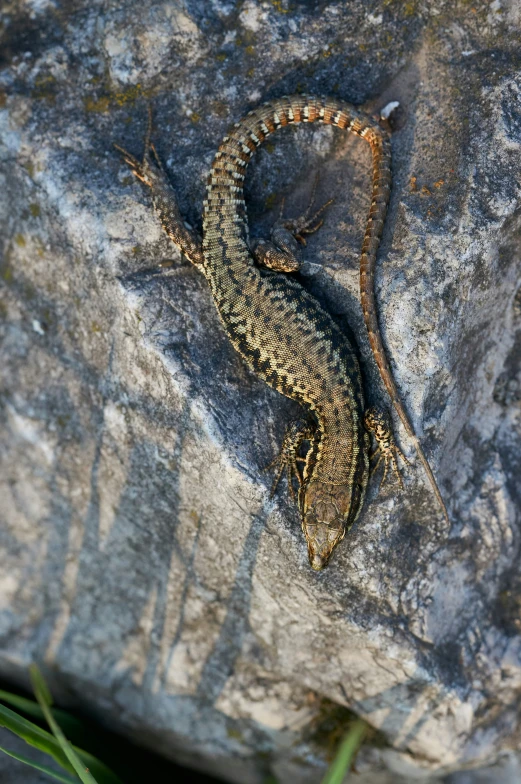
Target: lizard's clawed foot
[
  {"x": 143, "y": 169},
  {"x": 387, "y": 449},
  {"x": 288, "y": 457},
  {"x": 306, "y": 223}
]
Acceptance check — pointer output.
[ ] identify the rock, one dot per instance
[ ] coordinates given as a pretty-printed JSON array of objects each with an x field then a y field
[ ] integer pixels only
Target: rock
[{"x": 143, "y": 561}]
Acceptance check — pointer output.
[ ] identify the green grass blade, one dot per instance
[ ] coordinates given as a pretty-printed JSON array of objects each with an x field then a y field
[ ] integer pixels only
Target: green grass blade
[
  {"x": 43, "y": 740},
  {"x": 42, "y": 694},
  {"x": 67, "y": 722},
  {"x": 345, "y": 754},
  {"x": 89, "y": 769},
  {"x": 33, "y": 735},
  {"x": 42, "y": 768}
]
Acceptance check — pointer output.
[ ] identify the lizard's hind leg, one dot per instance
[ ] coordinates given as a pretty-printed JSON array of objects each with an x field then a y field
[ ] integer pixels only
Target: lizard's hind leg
[
  {"x": 288, "y": 457},
  {"x": 150, "y": 172},
  {"x": 282, "y": 253}
]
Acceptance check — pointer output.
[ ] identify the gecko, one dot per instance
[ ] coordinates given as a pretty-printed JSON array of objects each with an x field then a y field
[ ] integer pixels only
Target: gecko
[{"x": 280, "y": 330}]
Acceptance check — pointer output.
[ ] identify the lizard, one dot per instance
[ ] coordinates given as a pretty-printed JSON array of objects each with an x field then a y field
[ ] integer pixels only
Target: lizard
[{"x": 280, "y": 330}]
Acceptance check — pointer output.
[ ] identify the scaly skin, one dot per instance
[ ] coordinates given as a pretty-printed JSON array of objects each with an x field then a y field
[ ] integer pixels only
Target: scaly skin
[{"x": 277, "y": 327}]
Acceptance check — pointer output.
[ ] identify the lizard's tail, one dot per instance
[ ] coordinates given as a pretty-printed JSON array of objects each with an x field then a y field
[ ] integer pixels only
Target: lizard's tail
[{"x": 419, "y": 449}]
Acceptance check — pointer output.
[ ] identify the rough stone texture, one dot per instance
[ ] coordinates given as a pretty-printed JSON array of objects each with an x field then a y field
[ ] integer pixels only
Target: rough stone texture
[{"x": 142, "y": 560}]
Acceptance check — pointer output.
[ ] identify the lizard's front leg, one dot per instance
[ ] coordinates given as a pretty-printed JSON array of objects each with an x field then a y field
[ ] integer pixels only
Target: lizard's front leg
[
  {"x": 282, "y": 253},
  {"x": 150, "y": 172},
  {"x": 387, "y": 449}
]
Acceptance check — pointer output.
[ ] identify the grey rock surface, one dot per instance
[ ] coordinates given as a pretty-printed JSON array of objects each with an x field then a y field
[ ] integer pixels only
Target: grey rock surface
[{"x": 142, "y": 560}]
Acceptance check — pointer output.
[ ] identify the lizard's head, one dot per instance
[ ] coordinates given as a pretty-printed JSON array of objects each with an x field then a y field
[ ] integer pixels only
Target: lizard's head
[{"x": 327, "y": 512}]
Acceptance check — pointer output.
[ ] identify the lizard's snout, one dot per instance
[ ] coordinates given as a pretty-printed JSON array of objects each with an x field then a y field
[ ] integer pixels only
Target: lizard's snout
[{"x": 317, "y": 561}]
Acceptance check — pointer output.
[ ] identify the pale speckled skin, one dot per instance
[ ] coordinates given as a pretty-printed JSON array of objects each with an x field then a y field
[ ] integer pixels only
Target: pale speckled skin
[{"x": 278, "y": 328}]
